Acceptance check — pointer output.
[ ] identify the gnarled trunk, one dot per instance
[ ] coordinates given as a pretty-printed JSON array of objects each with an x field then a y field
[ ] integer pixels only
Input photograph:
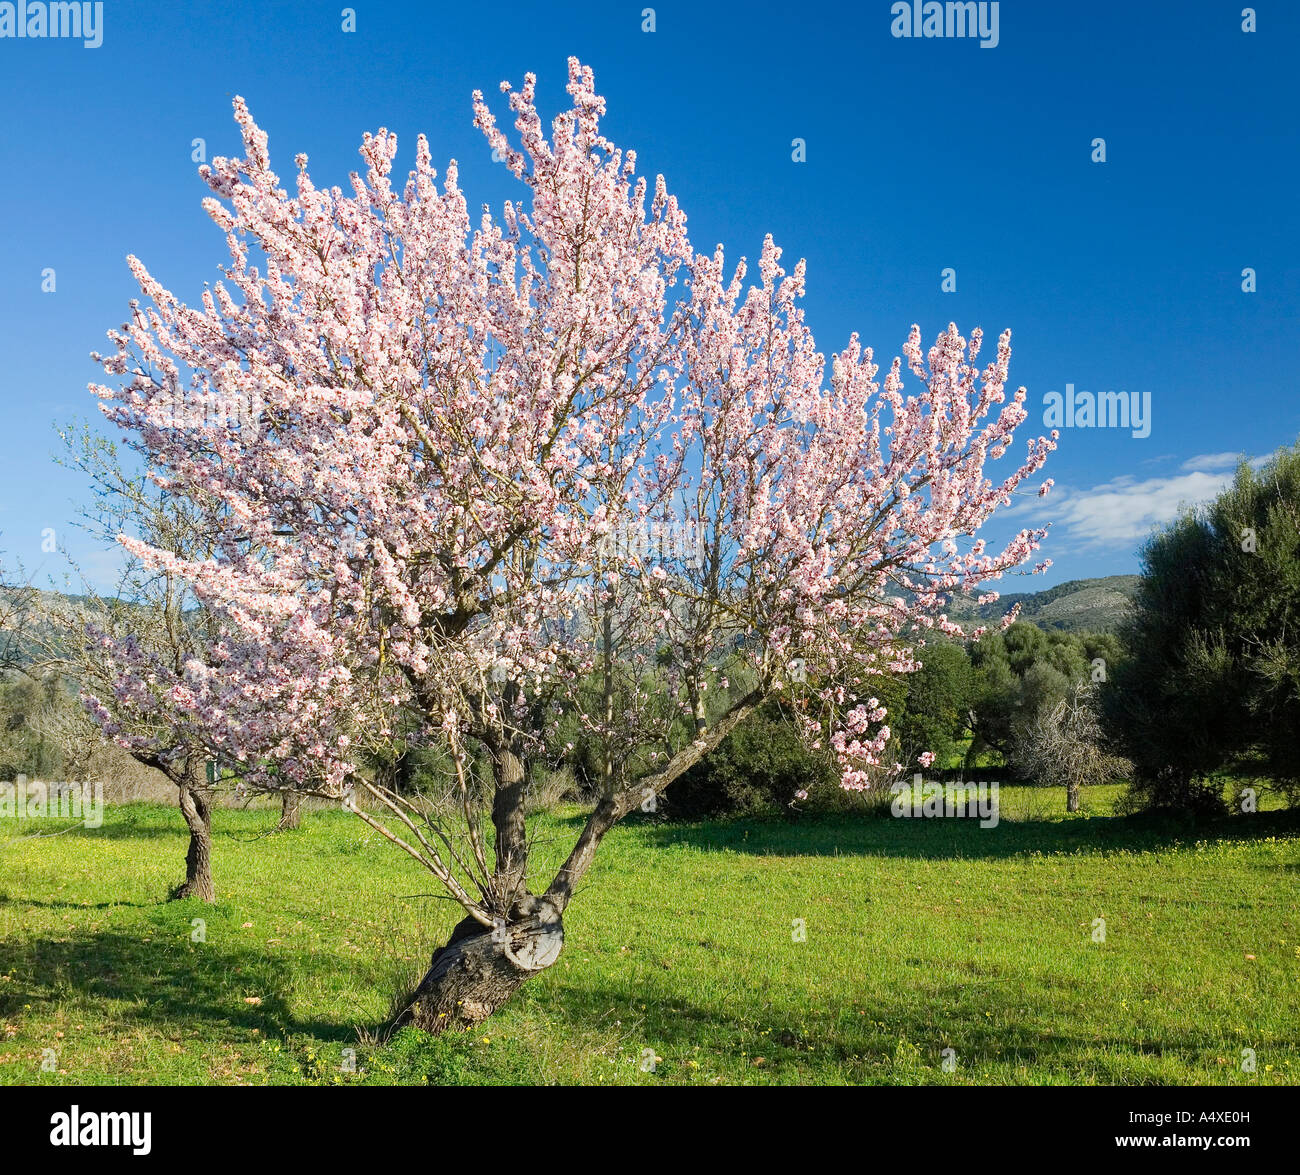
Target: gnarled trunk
[
  {"x": 196, "y": 807},
  {"x": 1072, "y": 796},
  {"x": 290, "y": 810},
  {"x": 482, "y": 967}
]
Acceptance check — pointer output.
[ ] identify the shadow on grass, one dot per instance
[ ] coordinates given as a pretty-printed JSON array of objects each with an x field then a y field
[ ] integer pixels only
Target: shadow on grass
[
  {"x": 139, "y": 822},
  {"x": 155, "y": 977},
  {"x": 988, "y": 1023},
  {"x": 961, "y": 837},
  {"x": 160, "y": 978},
  {"x": 22, "y": 902}
]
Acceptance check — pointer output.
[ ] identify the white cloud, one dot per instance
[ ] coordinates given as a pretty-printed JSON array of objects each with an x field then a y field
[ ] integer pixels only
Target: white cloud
[
  {"x": 1208, "y": 461},
  {"x": 1125, "y": 510}
]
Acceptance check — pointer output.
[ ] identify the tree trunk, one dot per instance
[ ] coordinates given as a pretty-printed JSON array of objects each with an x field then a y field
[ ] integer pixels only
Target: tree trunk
[
  {"x": 196, "y": 807},
  {"x": 290, "y": 810},
  {"x": 510, "y": 778},
  {"x": 481, "y": 967},
  {"x": 1072, "y": 796}
]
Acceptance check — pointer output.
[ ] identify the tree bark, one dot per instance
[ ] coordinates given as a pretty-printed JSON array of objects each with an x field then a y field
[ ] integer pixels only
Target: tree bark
[
  {"x": 480, "y": 968},
  {"x": 510, "y": 780},
  {"x": 1072, "y": 796},
  {"x": 290, "y": 810},
  {"x": 196, "y": 807}
]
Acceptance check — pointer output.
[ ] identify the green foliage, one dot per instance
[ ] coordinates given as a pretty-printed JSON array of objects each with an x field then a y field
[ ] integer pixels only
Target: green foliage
[
  {"x": 939, "y": 697},
  {"x": 26, "y": 748},
  {"x": 1005, "y": 681},
  {"x": 755, "y": 770},
  {"x": 572, "y": 746},
  {"x": 1041, "y": 687},
  {"x": 1213, "y": 678},
  {"x": 1020, "y": 673}
]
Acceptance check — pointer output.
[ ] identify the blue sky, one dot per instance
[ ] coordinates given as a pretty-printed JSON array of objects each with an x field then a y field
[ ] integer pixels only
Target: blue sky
[{"x": 922, "y": 154}]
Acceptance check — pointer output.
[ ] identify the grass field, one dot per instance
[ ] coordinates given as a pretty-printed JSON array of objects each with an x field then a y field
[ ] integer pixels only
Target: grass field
[{"x": 921, "y": 936}]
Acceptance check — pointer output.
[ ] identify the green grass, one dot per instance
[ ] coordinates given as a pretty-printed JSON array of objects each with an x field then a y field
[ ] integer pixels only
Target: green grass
[{"x": 920, "y": 936}]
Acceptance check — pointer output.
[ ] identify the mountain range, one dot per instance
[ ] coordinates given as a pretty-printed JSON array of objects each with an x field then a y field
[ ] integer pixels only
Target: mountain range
[
  {"x": 1080, "y": 605},
  {"x": 1091, "y": 605}
]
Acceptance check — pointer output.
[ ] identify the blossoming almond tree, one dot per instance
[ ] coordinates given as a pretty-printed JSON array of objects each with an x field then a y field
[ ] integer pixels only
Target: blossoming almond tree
[
  {"x": 452, "y": 422},
  {"x": 151, "y": 623},
  {"x": 825, "y": 521}
]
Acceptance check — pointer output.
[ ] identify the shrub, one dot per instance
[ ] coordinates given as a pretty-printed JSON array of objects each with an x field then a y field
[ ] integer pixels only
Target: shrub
[
  {"x": 755, "y": 770},
  {"x": 1213, "y": 680}
]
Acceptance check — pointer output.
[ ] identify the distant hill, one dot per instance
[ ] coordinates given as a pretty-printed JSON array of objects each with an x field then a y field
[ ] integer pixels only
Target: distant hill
[
  {"x": 1092, "y": 605},
  {"x": 25, "y": 620},
  {"x": 22, "y": 626},
  {"x": 1081, "y": 605}
]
